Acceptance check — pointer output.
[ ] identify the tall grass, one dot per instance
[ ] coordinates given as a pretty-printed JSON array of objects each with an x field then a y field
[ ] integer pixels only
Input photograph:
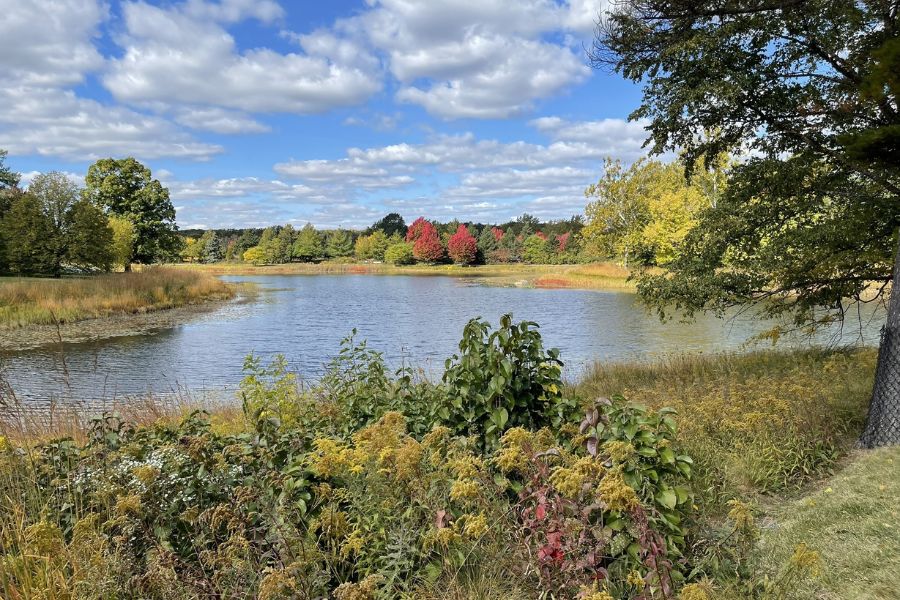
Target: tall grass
[
  {"x": 26, "y": 302},
  {"x": 755, "y": 423}
]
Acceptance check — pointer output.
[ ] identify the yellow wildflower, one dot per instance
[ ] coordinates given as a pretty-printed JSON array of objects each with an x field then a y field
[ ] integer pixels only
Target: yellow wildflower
[
  {"x": 128, "y": 505},
  {"x": 276, "y": 584},
  {"x": 618, "y": 495},
  {"x": 146, "y": 474},
  {"x": 464, "y": 489},
  {"x": 594, "y": 593},
  {"x": 618, "y": 451},
  {"x": 44, "y": 539},
  {"x": 475, "y": 526},
  {"x": 353, "y": 544},
  {"x": 696, "y": 591},
  {"x": 635, "y": 578}
]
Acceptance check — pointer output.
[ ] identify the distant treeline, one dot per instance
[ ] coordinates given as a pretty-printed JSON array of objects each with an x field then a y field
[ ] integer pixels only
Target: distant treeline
[{"x": 525, "y": 239}]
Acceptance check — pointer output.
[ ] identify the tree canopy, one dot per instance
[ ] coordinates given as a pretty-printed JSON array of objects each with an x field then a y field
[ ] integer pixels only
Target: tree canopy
[
  {"x": 808, "y": 90},
  {"x": 126, "y": 188}
]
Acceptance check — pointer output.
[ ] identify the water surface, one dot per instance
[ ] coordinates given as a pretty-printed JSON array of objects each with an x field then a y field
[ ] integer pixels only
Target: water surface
[{"x": 416, "y": 320}]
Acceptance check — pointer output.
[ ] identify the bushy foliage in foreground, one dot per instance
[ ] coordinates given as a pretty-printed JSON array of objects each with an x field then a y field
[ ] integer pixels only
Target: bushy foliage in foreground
[{"x": 368, "y": 485}]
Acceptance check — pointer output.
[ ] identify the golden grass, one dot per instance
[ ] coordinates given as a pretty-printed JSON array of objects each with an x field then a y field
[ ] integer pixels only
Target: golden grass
[
  {"x": 755, "y": 423},
  {"x": 590, "y": 276},
  {"x": 26, "y": 302}
]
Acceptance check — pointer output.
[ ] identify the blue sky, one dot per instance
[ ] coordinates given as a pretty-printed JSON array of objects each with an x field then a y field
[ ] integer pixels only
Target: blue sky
[{"x": 257, "y": 112}]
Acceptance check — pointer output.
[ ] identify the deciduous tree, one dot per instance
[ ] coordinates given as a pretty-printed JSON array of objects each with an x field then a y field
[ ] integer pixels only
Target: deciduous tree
[
  {"x": 462, "y": 247},
  {"x": 810, "y": 222},
  {"x": 428, "y": 246},
  {"x": 126, "y": 188}
]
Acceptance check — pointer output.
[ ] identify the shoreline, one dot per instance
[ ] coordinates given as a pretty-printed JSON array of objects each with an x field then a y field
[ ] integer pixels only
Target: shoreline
[
  {"x": 32, "y": 337},
  {"x": 593, "y": 276}
]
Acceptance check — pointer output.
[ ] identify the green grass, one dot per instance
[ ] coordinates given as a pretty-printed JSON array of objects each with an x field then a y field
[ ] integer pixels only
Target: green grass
[
  {"x": 25, "y": 302},
  {"x": 589, "y": 276},
  {"x": 853, "y": 521}
]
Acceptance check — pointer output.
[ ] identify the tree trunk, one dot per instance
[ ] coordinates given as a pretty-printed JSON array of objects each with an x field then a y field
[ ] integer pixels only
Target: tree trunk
[
  {"x": 883, "y": 421},
  {"x": 128, "y": 266}
]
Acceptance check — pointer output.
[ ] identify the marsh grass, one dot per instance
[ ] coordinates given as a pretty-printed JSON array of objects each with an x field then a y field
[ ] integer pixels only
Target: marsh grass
[
  {"x": 588, "y": 276},
  {"x": 756, "y": 423},
  {"x": 25, "y": 302}
]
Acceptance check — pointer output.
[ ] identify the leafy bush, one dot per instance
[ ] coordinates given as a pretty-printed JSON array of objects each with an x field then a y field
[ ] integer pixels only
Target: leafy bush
[
  {"x": 609, "y": 503},
  {"x": 501, "y": 379},
  {"x": 400, "y": 254}
]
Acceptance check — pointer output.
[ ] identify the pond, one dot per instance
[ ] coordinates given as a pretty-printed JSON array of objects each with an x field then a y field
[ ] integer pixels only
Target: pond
[{"x": 413, "y": 320}]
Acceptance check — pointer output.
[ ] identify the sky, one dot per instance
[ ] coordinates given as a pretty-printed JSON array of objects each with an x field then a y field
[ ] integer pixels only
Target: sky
[{"x": 258, "y": 112}]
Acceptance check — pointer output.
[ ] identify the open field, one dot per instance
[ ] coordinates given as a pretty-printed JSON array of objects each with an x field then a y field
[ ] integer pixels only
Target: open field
[
  {"x": 27, "y": 302},
  {"x": 591, "y": 276},
  {"x": 813, "y": 518}
]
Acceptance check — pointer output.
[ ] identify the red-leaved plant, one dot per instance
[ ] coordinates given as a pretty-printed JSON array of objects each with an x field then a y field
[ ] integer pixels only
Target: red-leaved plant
[{"x": 462, "y": 246}]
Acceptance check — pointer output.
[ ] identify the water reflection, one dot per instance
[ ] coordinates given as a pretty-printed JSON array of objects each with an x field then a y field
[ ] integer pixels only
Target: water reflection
[{"x": 412, "y": 319}]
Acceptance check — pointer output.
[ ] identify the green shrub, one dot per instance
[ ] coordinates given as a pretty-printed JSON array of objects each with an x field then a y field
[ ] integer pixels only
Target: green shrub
[
  {"x": 501, "y": 379},
  {"x": 399, "y": 254}
]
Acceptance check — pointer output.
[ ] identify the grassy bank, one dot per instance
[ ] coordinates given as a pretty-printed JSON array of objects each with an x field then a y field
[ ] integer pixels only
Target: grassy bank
[
  {"x": 25, "y": 302},
  {"x": 592, "y": 276},
  {"x": 329, "y": 492}
]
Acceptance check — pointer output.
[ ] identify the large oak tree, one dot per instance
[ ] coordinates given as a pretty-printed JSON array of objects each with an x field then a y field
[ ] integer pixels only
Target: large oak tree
[
  {"x": 127, "y": 189},
  {"x": 810, "y": 91}
]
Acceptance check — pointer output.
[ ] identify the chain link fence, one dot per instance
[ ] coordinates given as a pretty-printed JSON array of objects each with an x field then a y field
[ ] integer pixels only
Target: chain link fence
[{"x": 883, "y": 421}]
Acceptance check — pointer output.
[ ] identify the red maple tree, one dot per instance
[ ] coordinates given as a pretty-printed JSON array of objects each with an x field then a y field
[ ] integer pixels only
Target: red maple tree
[
  {"x": 415, "y": 230},
  {"x": 427, "y": 246},
  {"x": 498, "y": 233},
  {"x": 462, "y": 247}
]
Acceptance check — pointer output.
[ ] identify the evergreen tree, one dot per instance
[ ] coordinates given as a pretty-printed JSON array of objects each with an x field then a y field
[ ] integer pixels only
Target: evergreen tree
[
  {"x": 308, "y": 245},
  {"x": 210, "y": 247},
  {"x": 284, "y": 244},
  {"x": 89, "y": 238},
  {"x": 391, "y": 224},
  {"x": 28, "y": 234},
  {"x": 247, "y": 239},
  {"x": 340, "y": 243},
  {"x": 487, "y": 244}
]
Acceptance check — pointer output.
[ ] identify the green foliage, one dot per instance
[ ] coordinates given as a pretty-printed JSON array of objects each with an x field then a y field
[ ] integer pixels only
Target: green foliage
[
  {"x": 537, "y": 250},
  {"x": 372, "y": 247},
  {"x": 126, "y": 188},
  {"x": 643, "y": 213},
  {"x": 391, "y": 224},
  {"x": 612, "y": 502},
  {"x": 209, "y": 247},
  {"x": 400, "y": 253},
  {"x": 339, "y": 243},
  {"x": 501, "y": 379},
  {"x": 29, "y": 237},
  {"x": 89, "y": 238},
  {"x": 123, "y": 240},
  {"x": 308, "y": 245},
  {"x": 284, "y": 245},
  {"x": 8, "y": 177},
  {"x": 812, "y": 218}
]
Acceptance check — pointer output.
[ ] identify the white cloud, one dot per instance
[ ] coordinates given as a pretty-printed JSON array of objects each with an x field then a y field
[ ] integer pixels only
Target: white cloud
[
  {"x": 174, "y": 56},
  {"x": 49, "y": 42},
  {"x": 486, "y": 59},
  {"x": 444, "y": 177},
  {"x": 55, "y": 122},
  {"x": 218, "y": 120}
]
